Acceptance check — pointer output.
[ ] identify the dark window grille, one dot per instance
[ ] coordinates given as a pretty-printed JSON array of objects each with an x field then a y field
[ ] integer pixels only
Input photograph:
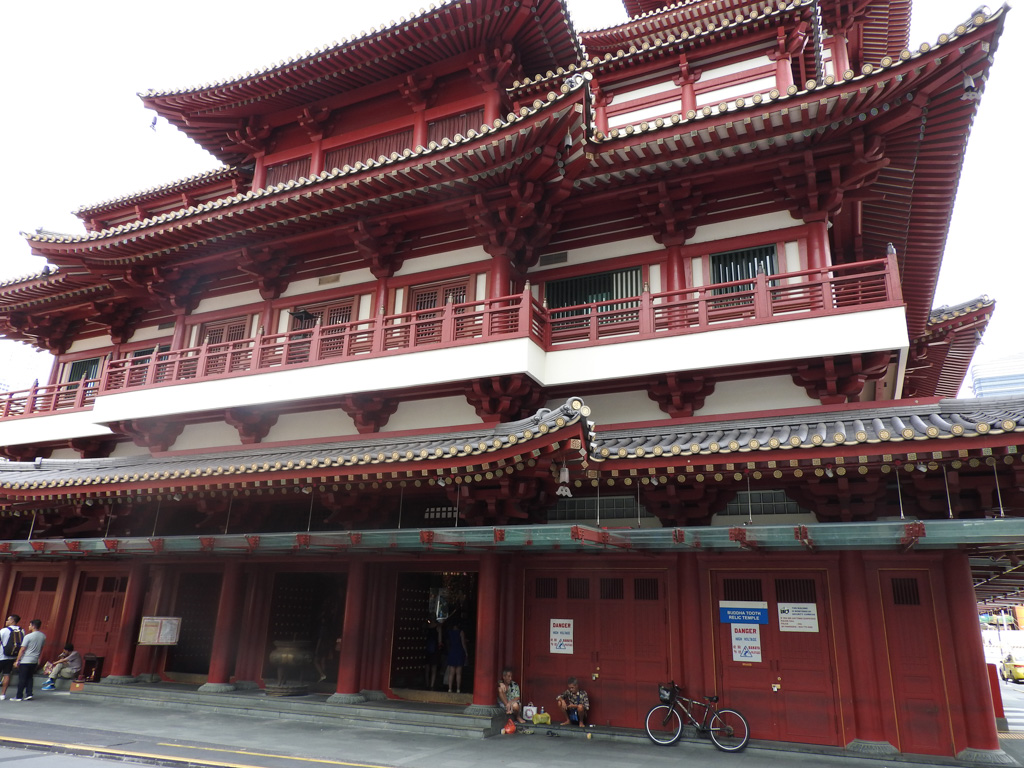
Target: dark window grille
[
  {"x": 546, "y": 588},
  {"x": 612, "y": 589},
  {"x": 590, "y": 289},
  {"x": 28, "y": 584},
  {"x": 905, "y": 592},
  {"x": 795, "y": 591},
  {"x": 742, "y": 265},
  {"x": 334, "y": 313},
  {"x": 235, "y": 329},
  {"x": 84, "y": 369},
  {"x": 373, "y": 149},
  {"x": 772, "y": 502},
  {"x": 447, "y": 127},
  {"x": 578, "y": 589},
  {"x": 741, "y": 589},
  {"x": 282, "y": 172},
  {"x": 645, "y": 589},
  {"x": 49, "y": 584}
]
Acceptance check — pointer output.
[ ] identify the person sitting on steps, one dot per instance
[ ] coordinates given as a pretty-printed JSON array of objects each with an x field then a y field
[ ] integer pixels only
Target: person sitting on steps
[
  {"x": 68, "y": 666},
  {"x": 574, "y": 703},
  {"x": 509, "y": 695}
]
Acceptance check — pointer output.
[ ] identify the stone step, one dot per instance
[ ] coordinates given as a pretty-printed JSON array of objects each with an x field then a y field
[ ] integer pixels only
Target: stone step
[{"x": 405, "y": 716}]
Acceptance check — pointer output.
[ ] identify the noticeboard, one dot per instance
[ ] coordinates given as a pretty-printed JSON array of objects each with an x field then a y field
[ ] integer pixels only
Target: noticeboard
[{"x": 159, "y": 630}]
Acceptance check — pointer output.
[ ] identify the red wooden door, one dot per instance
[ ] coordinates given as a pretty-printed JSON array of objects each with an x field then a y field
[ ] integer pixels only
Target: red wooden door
[
  {"x": 788, "y": 694},
  {"x": 911, "y": 637},
  {"x": 621, "y": 640},
  {"x": 98, "y": 613}
]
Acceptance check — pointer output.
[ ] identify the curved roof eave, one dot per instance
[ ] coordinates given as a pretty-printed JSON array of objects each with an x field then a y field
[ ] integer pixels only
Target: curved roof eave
[{"x": 229, "y": 214}]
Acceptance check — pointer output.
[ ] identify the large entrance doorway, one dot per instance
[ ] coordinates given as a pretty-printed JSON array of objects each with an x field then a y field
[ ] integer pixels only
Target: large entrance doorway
[
  {"x": 620, "y": 639},
  {"x": 782, "y": 680},
  {"x": 434, "y": 614},
  {"x": 98, "y": 612}
]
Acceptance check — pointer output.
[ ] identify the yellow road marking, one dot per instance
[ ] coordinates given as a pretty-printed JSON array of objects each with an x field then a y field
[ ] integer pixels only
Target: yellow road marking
[
  {"x": 172, "y": 758},
  {"x": 279, "y": 757}
]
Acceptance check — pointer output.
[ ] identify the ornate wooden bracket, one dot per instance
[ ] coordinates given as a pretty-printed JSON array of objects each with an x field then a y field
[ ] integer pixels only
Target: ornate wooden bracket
[
  {"x": 494, "y": 67},
  {"x": 813, "y": 193},
  {"x": 54, "y": 333},
  {"x": 504, "y": 398},
  {"x": 416, "y": 91},
  {"x": 251, "y": 139},
  {"x": 149, "y": 433},
  {"x": 378, "y": 244},
  {"x": 516, "y": 225},
  {"x": 252, "y": 425},
  {"x": 840, "y": 379},
  {"x": 689, "y": 504},
  {"x": 269, "y": 268},
  {"x": 121, "y": 317},
  {"x": 92, "y": 447},
  {"x": 671, "y": 216},
  {"x": 175, "y": 287},
  {"x": 313, "y": 122},
  {"x": 25, "y": 452},
  {"x": 369, "y": 412},
  {"x": 511, "y": 498},
  {"x": 680, "y": 395}
]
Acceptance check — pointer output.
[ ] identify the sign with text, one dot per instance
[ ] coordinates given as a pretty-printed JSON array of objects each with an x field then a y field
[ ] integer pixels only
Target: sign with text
[
  {"x": 560, "y": 639},
  {"x": 742, "y": 612},
  {"x": 798, "y": 617},
  {"x": 159, "y": 630},
  {"x": 746, "y": 642}
]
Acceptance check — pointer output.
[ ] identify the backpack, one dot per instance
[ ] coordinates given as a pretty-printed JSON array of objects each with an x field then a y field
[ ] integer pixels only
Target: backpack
[{"x": 13, "y": 642}]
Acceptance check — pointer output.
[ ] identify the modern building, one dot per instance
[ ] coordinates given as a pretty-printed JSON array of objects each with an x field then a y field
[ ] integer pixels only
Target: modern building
[
  {"x": 614, "y": 349},
  {"x": 999, "y": 378}
]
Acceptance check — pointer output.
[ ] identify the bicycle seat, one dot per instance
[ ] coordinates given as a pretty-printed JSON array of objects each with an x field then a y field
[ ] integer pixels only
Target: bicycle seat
[{"x": 712, "y": 699}]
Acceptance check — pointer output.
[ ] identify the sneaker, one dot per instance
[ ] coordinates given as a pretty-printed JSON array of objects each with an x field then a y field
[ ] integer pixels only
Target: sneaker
[
  {"x": 49, "y": 687},
  {"x": 28, "y": 698},
  {"x": 15, "y": 699},
  {"x": 2, "y": 697}
]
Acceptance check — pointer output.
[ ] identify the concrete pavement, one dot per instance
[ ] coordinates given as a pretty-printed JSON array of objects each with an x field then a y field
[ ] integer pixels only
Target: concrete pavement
[{"x": 77, "y": 724}]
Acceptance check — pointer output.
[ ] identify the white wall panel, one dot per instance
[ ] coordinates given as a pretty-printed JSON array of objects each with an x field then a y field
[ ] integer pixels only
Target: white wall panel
[
  {"x": 312, "y": 425},
  {"x": 427, "y": 414},
  {"x": 242, "y": 299},
  {"x": 750, "y": 225},
  {"x": 213, "y": 435},
  {"x": 767, "y": 393},
  {"x": 667, "y": 107}
]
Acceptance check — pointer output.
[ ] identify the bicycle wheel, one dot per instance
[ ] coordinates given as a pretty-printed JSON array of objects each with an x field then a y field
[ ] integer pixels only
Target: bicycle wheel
[
  {"x": 729, "y": 730},
  {"x": 664, "y": 725}
]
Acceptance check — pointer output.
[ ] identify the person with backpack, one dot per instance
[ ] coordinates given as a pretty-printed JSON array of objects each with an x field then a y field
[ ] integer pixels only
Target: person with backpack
[
  {"x": 28, "y": 659},
  {"x": 10, "y": 645}
]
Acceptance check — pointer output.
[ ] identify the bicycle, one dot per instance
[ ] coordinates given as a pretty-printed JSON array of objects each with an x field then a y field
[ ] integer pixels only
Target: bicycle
[{"x": 727, "y": 728}]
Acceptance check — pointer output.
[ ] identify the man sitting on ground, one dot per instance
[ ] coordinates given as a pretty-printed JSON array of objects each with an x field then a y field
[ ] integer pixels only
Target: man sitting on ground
[
  {"x": 68, "y": 666},
  {"x": 574, "y": 703}
]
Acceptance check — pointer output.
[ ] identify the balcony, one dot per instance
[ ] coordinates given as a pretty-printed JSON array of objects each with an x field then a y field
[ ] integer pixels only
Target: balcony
[{"x": 806, "y": 295}]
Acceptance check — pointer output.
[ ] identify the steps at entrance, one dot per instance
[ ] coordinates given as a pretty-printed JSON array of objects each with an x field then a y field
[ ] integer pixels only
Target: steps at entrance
[{"x": 406, "y": 716}]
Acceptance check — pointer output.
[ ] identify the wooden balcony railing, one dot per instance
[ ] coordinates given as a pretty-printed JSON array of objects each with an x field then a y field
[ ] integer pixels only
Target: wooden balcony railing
[{"x": 789, "y": 296}]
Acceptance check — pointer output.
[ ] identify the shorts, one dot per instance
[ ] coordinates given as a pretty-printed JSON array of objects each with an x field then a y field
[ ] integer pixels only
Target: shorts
[{"x": 6, "y": 666}]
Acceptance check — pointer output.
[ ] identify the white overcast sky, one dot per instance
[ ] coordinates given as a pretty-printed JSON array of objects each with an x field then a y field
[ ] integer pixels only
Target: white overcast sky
[{"x": 76, "y": 133}]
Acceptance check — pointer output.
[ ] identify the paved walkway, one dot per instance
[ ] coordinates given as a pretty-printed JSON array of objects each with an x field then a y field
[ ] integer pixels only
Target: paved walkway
[{"x": 78, "y": 724}]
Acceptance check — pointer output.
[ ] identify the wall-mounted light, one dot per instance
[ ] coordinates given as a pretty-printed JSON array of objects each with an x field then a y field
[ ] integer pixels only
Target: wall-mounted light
[
  {"x": 306, "y": 489},
  {"x": 176, "y": 496}
]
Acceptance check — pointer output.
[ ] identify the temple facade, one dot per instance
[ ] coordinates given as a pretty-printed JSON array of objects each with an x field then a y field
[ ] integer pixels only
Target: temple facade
[{"x": 613, "y": 351}]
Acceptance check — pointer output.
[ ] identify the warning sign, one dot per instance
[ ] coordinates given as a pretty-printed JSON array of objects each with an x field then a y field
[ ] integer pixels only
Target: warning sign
[
  {"x": 560, "y": 639},
  {"x": 798, "y": 617},
  {"x": 746, "y": 642}
]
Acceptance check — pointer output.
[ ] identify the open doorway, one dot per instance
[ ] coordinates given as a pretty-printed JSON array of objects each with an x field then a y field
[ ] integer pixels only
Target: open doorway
[{"x": 435, "y": 624}]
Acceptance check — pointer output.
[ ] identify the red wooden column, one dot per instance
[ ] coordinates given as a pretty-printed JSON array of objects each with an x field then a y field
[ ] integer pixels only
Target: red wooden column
[
  {"x": 124, "y": 648},
  {"x": 353, "y": 629},
  {"x": 692, "y": 675},
  {"x": 226, "y": 626},
  {"x": 60, "y": 630},
  {"x": 869, "y": 735},
  {"x": 146, "y": 656},
  {"x": 979, "y": 720},
  {"x": 501, "y": 276},
  {"x": 817, "y": 245},
  {"x": 485, "y": 670},
  {"x": 255, "y": 602},
  {"x": 675, "y": 269}
]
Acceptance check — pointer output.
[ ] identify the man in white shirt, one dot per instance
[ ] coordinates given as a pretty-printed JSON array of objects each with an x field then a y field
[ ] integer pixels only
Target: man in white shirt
[
  {"x": 28, "y": 659},
  {"x": 7, "y": 661}
]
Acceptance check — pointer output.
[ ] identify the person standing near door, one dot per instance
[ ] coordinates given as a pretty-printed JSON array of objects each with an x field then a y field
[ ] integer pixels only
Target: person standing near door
[
  {"x": 458, "y": 654},
  {"x": 28, "y": 659},
  {"x": 10, "y": 643}
]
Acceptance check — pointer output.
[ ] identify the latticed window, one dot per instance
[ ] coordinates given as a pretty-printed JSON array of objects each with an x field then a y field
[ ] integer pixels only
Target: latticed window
[
  {"x": 372, "y": 149},
  {"x": 769, "y": 502},
  {"x": 434, "y": 296},
  {"x": 222, "y": 331},
  {"x": 282, "y": 172},
  {"x": 333, "y": 313},
  {"x": 590, "y": 289},
  {"x": 744, "y": 264},
  {"x": 448, "y": 126},
  {"x": 84, "y": 369}
]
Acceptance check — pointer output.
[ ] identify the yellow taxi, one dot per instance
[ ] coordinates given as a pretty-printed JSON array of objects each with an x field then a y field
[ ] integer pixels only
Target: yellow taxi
[{"x": 1012, "y": 671}]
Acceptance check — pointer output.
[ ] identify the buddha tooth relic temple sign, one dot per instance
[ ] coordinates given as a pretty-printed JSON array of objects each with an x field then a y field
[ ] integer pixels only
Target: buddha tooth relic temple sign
[{"x": 611, "y": 352}]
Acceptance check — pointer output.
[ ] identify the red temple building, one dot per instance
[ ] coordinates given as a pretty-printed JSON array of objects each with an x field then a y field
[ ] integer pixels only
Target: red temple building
[{"x": 486, "y": 320}]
